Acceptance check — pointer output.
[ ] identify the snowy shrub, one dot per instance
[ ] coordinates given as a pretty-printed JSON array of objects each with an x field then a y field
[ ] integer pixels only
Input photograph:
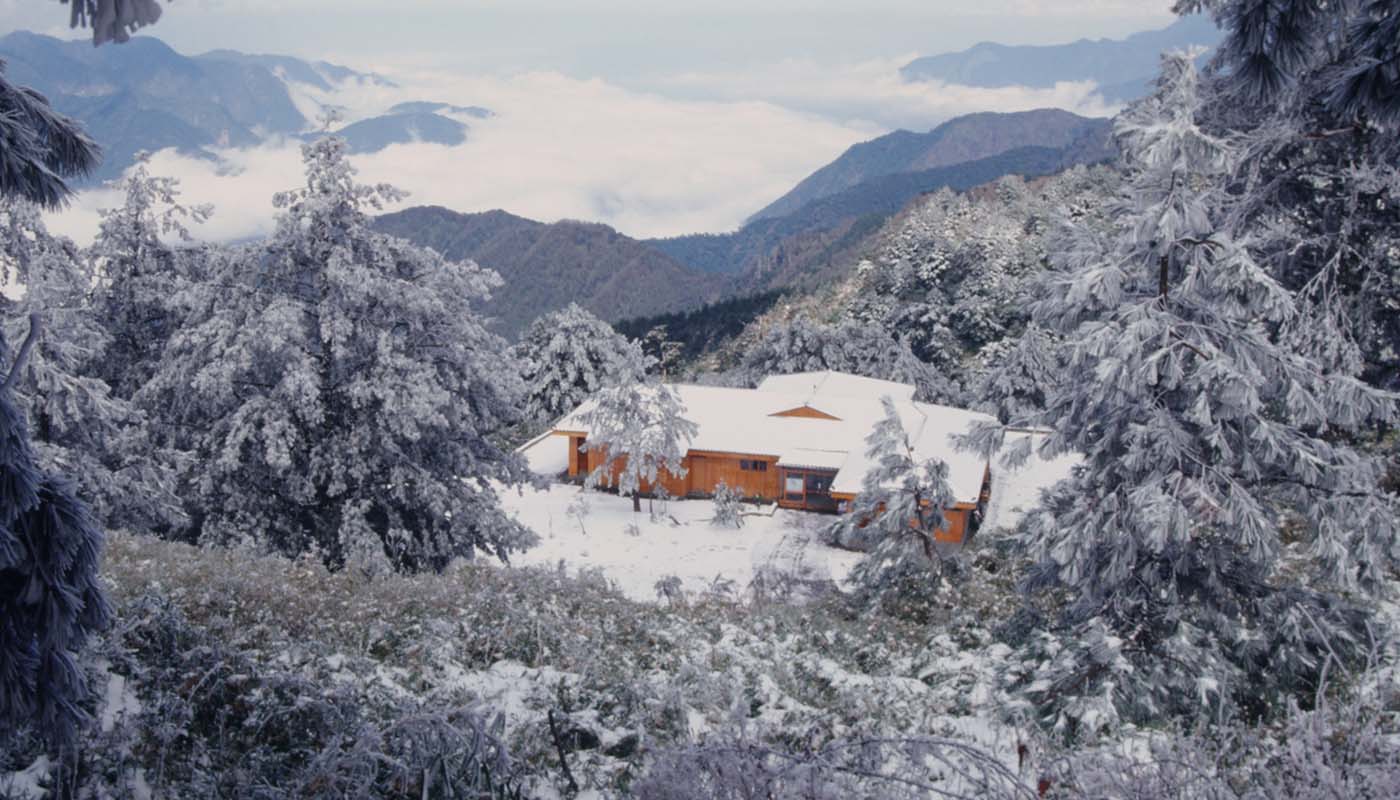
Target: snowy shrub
[
  {"x": 476, "y": 636},
  {"x": 578, "y": 509},
  {"x": 894, "y": 768},
  {"x": 1342, "y": 751},
  {"x": 729, "y": 511},
  {"x": 211, "y": 721},
  {"x": 670, "y": 589}
]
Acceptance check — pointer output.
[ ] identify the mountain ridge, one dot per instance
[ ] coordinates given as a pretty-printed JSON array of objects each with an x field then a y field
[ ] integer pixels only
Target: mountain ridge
[
  {"x": 1122, "y": 68},
  {"x": 546, "y": 266},
  {"x": 963, "y": 139}
]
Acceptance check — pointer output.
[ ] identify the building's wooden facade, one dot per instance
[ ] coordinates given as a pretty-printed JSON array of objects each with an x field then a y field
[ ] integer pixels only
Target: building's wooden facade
[{"x": 759, "y": 477}]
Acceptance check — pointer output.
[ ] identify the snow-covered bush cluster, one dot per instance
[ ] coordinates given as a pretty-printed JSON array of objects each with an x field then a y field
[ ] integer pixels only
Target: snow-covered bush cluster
[
  {"x": 729, "y": 509},
  {"x": 244, "y": 675}
]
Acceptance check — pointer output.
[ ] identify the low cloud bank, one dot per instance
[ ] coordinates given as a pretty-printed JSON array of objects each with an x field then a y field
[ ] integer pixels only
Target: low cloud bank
[{"x": 684, "y": 154}]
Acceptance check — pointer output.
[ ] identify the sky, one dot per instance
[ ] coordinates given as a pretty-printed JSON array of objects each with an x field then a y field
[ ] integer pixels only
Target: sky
[{"x": 660, "y": 118}]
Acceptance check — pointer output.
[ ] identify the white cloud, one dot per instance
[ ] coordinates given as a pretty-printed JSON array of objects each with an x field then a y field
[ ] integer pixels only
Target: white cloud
[
  {"x": 873, "y": 91},
  {"x": 558, "y": 148},
  {"x": 697, "y": 153}
]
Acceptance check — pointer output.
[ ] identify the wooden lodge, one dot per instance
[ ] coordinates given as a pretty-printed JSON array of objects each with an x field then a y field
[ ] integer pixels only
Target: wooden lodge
[{"x": 799, "y": 440}]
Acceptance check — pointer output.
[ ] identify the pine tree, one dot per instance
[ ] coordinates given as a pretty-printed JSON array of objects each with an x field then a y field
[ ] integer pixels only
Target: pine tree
[
  {"x": 640, "y": 431},
  {"x": 1206, "y": 433},
  {"x": 50, "y": 598},
  {"x": 40, "y": 149},
  {"x": 1310, "y": 94},
  {"x": 340, "y": 391},
  {"x": 568, "y": 355},
  {"x": 80, "y": 428}
]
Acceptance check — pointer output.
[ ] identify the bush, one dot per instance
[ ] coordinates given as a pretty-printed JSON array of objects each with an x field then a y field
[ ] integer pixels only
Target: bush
[{"x": 729, "y": 512}]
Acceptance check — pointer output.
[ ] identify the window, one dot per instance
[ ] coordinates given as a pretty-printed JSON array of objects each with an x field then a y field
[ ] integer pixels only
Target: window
[
  {"x": 753, "y": 466},
  {"x": 793, "y": 487}
]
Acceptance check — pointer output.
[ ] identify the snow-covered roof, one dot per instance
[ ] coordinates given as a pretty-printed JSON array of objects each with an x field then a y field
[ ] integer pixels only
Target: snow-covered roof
[
  {"x": 546, "y": 454},
  {"x": 741, "y": 421},
  {"x": 818, "y": 386},
  {"x": 1016, "y": 490},
  {"x": 812, "y": 458}
]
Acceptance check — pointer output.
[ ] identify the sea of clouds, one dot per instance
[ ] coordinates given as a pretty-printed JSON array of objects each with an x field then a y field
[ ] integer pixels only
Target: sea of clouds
[{"x": 674, "y": 154}]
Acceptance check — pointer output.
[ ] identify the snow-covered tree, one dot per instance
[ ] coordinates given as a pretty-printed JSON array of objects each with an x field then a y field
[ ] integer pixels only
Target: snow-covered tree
[
  {"x": 1017, "y": 374},
  {"x": 663, "y": 354},
  {"x": 950, "y": 274},
  {"x": 80, "y": 429},
  {"x": 139, "y": 275},
  {"x": 1310, "y": 92},
  {"x": 40, "y": 149},
  {"x": 567, "y": 355},
  {"x": 640, "y": 430},
  {"x": 50, "y": 597},
  {"x": 896, "y": 518},
  {"x": 805, "y": 346},
  {"x": 1207, "y": 435},
  {"x": 729, "y": 512},
  {"x": 340, "y": 391}
]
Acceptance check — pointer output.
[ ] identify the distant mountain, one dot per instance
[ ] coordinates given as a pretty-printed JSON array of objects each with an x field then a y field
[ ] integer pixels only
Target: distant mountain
[
  {"x": 320, "y": 74},
  {"x": 960, "y": 140},
  {"x": 547, "y": 266},
  {"x": 1123, "y": 68},
  {"x": 145, "y": 96},
  {"x": 376, "y": 133},
  {"x": 811, "y": 242},
  {"x": 424, "y": 107}
]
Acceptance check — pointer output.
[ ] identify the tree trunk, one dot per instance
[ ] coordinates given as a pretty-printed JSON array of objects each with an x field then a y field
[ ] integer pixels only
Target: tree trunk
[{"x": 636, "y": 501}]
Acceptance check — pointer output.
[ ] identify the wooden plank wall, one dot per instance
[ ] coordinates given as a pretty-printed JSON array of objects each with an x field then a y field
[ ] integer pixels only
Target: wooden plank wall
[{"x": 708, "y": 469}]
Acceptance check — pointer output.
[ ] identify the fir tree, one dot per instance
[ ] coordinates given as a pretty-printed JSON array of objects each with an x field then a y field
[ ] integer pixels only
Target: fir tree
[
  {"x": 139, "y": 276},
  {"x": 40, "y": 149},
  {"x": 1310, "y": 94}
]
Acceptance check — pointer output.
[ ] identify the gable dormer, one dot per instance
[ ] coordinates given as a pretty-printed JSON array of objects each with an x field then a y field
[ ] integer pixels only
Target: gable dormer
[{"x": 805, "y": 412}]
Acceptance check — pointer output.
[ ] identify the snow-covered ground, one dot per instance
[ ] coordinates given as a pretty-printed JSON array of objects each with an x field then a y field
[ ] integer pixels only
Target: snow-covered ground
[{"x": 638, "y": 550}]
